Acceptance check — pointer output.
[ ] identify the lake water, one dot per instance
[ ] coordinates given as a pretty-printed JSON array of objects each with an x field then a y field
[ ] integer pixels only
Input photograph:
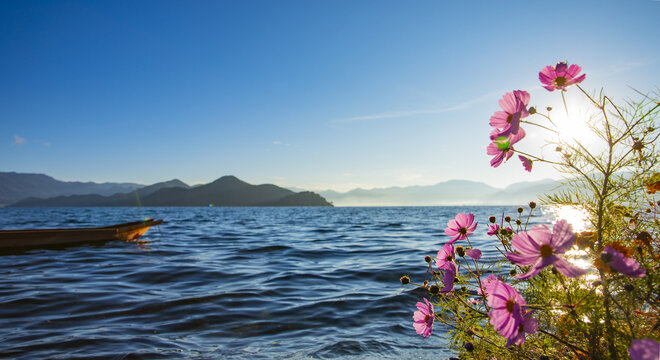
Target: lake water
[{"x": 228, "y": 283}]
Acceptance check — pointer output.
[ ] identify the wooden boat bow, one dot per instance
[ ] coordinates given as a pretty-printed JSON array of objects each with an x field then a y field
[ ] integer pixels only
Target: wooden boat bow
[{"x": 49, "y": 237}]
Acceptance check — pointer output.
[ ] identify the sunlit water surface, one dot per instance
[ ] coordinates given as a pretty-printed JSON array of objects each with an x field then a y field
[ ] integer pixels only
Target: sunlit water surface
[{"x": 216, "y": 283}]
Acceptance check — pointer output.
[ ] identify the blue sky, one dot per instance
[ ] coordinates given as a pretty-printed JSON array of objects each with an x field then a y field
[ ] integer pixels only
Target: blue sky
[{"x": 311, "y": 94}]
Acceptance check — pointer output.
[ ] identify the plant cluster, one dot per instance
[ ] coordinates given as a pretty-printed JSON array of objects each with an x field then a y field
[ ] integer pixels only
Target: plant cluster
[{"x": 553, "y": 293}]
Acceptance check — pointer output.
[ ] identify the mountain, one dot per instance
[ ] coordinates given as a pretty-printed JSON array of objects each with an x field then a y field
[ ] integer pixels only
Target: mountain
[
  {"x": 226, "y": 191},
  {"x": 453, "y": 192},
  {"x": 17, "y": 186},
  {"x": 132, "y": 198}
]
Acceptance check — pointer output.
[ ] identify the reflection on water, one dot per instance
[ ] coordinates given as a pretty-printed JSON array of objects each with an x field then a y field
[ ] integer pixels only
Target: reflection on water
[
  {"x": 575, "y": 215},
  {"x": 578, "y": 217}
]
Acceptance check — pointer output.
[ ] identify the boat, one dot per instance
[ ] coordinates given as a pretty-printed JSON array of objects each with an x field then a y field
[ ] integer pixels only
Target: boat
[{"x": 10, "y": 239}]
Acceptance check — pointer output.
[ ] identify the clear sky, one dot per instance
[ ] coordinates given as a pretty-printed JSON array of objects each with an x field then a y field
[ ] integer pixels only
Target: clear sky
[{"x": 311, "y": 94}]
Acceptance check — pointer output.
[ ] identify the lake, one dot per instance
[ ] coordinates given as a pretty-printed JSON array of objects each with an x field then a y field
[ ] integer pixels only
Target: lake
[{"x": 229, "y": 283}]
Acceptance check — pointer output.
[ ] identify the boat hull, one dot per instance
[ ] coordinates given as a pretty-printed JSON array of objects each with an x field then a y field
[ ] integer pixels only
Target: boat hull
[{"x": 54, "y": 237}]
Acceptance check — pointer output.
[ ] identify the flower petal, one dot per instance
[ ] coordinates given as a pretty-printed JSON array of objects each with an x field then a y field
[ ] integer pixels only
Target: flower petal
[
  {"x": 523, "y": 260},
  {"x": 563, "y": 237},
  {"x": 473, "y": 253},
  {"x": 568, "y": 269}
]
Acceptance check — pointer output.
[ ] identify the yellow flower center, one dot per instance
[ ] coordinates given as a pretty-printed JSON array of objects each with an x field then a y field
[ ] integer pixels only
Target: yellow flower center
[
  {"x": 509, "y": 306},
  {"x": 546, "y": 250},
  {"x": 560, "y": 81},
  {"x": 426, "y": 318}
]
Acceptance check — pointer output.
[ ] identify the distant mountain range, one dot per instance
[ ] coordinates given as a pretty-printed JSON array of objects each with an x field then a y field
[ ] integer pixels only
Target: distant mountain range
[
  {"x": 41, "y": 190},
  {"x": 453, "y": 192},
  {"x": 226, "y": 191},
  {"x": 17, "y": 186}
]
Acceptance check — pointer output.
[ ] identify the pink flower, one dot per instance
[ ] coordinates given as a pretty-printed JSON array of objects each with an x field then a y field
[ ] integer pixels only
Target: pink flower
[
  {"x": 493, "y": 229},
  {"x": 460, "y": 227},
  {"x": 644, "y": 349},
  {"x": 485, "y": 283},
  {"x": 502, "y": 147},
  {"x": 528, "y": 325},
  {"x": 506, "y": 309},
  {"x": 514, "y": 106},
  {"x": 625, "y": 265},
  {"x": 527, "y": 162},
  {"x": 448, "y": 278},
  {"x": 424, "y": 318},
  {"x": 561, "y": 76},
  {"x": 540, "y": 247},
  {"x": 474, "y": 301},
  {"x": 473, "y": 253},
  {"x": 446, "y": 257}
]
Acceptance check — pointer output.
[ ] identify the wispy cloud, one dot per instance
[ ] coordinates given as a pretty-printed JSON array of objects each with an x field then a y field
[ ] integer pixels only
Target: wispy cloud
[
  {"x": 409, "y": 113},
  {"x": 277, "y": 142},
  {"x": 19, "y": 140}
]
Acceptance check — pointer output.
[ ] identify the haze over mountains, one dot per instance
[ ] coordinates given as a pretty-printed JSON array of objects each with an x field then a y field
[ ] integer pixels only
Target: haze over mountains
[
  {"x": 453, "y": 192},
  {"x": 42, "y": 190}
]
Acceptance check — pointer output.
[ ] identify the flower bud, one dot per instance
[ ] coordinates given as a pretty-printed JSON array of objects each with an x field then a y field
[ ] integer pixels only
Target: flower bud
[
  {"x": 513, "y": 272},
  {"x": 460, "y": 251},
  {"x": 405, "y": 280},
  {"x": 518, "y": 222},
  {"x": 558, "y": 149},
  {"x": 554, "y": 271},
  {"x": 507, "y": 218},
  {"x": 628, "y": 287},
  {"x": 531, "y": 110},
  {"x": 426, "y": 283},
  {"x": 606, "y": 257},
  {"x": 644, "y": 237},
  {"x": 492, "y": 219},
  {"x": 520, "y": 210},
  {"x": 434, "y": 289},
  {"x": 469, "y": 346},
  {"x": 638, "y": 146},
  {"x": 428, "y": 259},
  {"x": 549, "y": 108}
]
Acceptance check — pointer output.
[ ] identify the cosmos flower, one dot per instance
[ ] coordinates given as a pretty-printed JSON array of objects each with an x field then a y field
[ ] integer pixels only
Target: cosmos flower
[
  {"x": 527, "y": 162},
  {"x": 540, "y": 247},
  {"x": 460, "y": 227},
  {"x": 561, "y": 76},
  {"x": 624, "y": 264},
  {"x": 493, "y": 229},
  {"x": 644, "y": 349},
  {"x": 528, "y": 325},
  {"x": 446, "y": 257},
  {"x": 502, "y": 147},
  {"x": 424, "y": 318},
  {"x": 506, "y": 309},
  {"x": 514, "y": 108},
  {"x": 473, "y": 253}
]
